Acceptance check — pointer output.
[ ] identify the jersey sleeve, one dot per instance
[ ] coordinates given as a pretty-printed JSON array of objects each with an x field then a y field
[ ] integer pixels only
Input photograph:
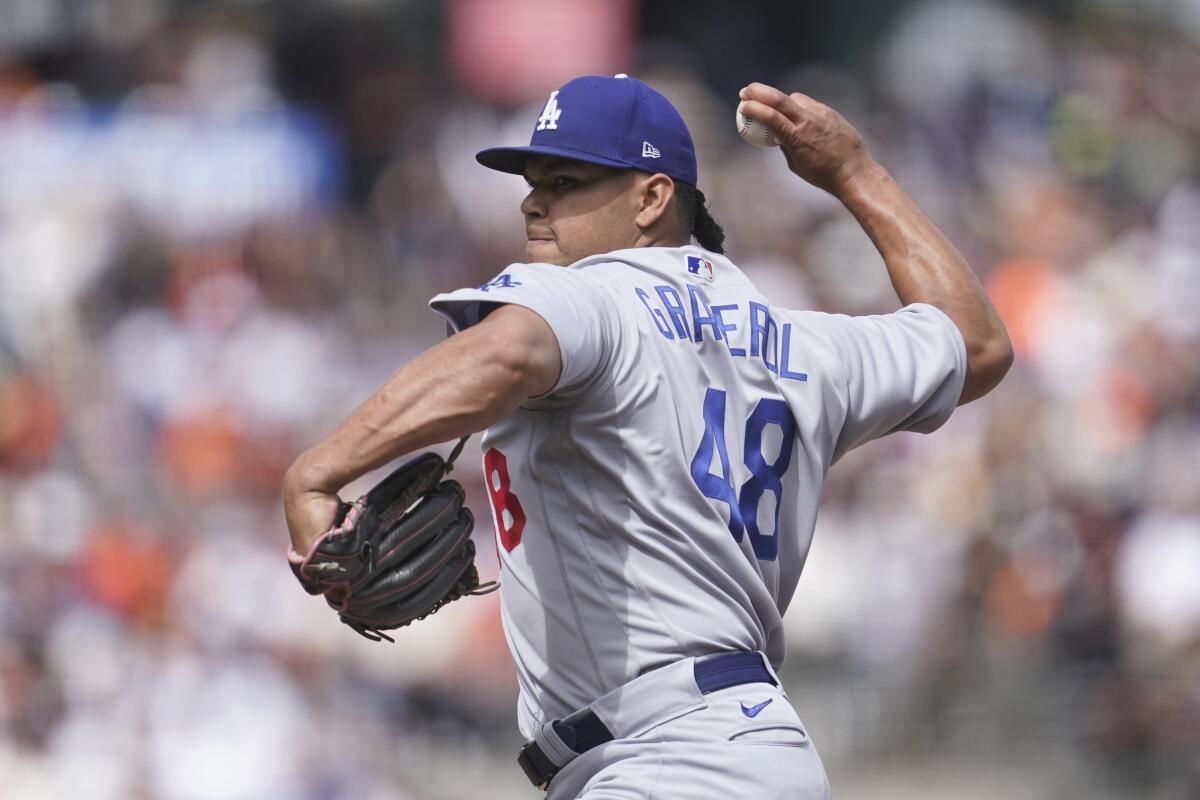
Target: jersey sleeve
[
  {"x": 577, "y": 308},
  {"x": 893, "y": 372}
]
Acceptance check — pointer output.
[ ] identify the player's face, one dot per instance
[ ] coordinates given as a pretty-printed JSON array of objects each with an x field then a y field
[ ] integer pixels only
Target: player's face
[{"x": 575, "y": 209}]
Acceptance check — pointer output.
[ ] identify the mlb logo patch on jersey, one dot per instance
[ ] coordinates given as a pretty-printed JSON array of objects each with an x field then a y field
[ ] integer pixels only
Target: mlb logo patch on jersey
[{"x": 700, "y": 266}]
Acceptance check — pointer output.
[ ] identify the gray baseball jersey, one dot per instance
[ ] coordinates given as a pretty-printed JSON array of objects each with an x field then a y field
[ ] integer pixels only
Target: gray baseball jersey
[{"x": 660, "y": 501}]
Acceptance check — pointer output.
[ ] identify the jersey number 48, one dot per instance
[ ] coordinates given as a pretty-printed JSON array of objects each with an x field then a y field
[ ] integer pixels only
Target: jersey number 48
[{"x": 764, "y": 476}]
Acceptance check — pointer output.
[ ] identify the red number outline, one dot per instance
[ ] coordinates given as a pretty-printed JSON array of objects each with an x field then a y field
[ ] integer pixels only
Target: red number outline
[{"x": 495, "y": 478}]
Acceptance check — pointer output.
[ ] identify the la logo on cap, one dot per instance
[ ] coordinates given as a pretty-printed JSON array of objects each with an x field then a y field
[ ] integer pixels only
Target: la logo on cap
[{"x": 548, "y": 121}]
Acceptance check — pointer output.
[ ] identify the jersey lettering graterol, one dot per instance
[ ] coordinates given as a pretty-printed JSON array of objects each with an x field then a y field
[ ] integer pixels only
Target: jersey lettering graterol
[{"x": 660, "y": 501}]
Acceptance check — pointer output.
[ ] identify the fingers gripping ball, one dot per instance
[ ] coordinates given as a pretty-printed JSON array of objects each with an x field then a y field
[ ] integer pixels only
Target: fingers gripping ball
[
  {"x": 398, "y": 554},
  {"x": 755, "y": 132}
]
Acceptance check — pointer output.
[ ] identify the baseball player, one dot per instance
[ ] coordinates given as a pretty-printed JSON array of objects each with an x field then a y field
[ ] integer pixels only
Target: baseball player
[{"x": 658, "y": 434}]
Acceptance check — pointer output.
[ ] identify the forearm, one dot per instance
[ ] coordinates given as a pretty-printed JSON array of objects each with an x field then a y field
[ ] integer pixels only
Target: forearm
[
  {"x": 455, "y": 388},
  {"x": 925, "y": 267}
]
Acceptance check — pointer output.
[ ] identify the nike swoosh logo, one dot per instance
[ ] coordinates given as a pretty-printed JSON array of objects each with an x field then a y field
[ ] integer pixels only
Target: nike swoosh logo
[{"x": 752, "y": 711}]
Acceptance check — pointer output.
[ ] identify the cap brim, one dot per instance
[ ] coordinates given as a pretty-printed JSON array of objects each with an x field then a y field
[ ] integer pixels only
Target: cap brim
[{"x": 512, "y": 159}]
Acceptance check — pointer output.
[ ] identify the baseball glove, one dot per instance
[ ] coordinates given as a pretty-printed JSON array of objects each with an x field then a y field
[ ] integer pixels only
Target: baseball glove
[{"x": 399, "y": 553}]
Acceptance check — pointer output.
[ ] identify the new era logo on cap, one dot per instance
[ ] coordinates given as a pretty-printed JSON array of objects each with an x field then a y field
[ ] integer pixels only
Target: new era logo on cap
[{"x": 615, "y": 122}]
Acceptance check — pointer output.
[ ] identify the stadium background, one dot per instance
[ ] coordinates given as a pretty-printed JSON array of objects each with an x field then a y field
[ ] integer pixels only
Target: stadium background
[{"x": 219, "y": 225}]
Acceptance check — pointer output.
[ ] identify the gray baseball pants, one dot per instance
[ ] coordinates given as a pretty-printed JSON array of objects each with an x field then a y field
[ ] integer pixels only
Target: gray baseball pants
[{"x": 671, "y": 742}]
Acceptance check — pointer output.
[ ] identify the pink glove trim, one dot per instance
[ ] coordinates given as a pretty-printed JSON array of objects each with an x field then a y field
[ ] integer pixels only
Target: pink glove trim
[{"x": 349, "y": 521}]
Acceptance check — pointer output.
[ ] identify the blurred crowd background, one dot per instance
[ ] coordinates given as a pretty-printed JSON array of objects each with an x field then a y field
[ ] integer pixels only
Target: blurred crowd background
[{"x": 220, "y": 223}]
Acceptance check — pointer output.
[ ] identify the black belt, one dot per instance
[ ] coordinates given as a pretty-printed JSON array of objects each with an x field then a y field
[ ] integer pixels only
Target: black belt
[{"x": 583, "y": 730}]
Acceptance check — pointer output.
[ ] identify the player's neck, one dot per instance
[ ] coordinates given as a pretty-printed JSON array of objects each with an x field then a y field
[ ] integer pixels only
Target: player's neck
[{"x": 654, "y": 237}]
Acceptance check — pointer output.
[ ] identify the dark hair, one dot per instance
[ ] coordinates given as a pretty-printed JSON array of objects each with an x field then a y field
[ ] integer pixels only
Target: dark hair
[{"x": 700, "y": 224}]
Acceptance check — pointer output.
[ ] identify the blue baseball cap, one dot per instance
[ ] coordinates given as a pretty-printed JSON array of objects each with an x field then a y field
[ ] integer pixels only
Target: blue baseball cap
[{"x": 616, "y": 122}]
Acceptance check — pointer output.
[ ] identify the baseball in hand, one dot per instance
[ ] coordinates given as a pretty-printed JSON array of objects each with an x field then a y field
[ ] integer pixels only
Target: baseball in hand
[{"x": 755, "y": 132}]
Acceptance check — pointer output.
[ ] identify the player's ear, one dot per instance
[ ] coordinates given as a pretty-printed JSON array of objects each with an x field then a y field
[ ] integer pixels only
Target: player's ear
[{"x": 654, "y": 193}]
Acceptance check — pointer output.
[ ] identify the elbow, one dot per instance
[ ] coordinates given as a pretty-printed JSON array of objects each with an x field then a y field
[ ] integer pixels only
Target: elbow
[{"x": 988, "y": 361}]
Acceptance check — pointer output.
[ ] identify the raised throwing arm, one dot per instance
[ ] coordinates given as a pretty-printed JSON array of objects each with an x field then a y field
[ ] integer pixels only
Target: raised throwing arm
[{"x": 924, "y": 266}]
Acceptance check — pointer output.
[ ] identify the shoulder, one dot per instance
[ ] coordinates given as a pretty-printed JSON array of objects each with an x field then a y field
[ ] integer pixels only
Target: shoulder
[
  {"x": 517, "y": 280},
  {"x": 514, "y": 274},
  {"x": 673, "y": 265},
  {"x": 840, "y": 329},
  {"x": 917, "y": 336}
]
